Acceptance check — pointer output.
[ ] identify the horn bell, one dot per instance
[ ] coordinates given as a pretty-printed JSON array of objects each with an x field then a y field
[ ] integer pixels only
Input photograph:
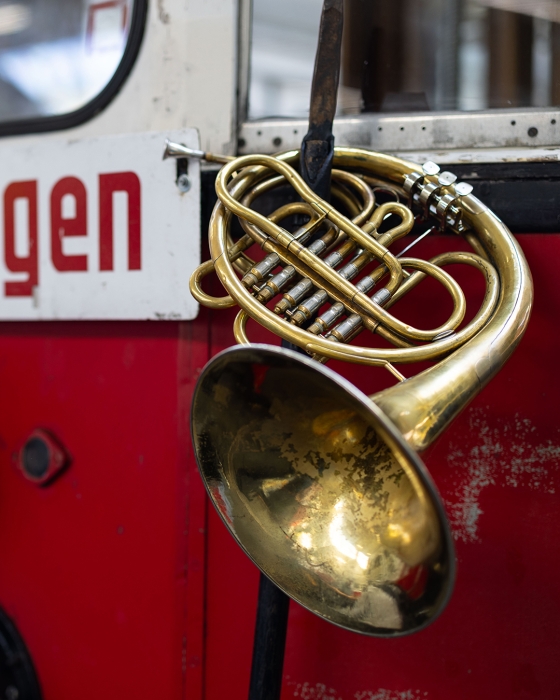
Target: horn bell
[{"x": 322, "y": 491}]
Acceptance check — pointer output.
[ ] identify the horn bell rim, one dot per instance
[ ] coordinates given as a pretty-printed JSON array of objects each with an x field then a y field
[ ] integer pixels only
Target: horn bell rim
[{"x": 335, "y": 589}]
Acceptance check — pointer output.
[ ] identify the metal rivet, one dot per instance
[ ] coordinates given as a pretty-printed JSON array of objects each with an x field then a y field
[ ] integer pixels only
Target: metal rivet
[
  {"x": 379, "y": 128},
  {"x": 463, "y": 188},
  {"x": 533, "y": 131},
  {"x": 183, "y": 183},
  {"x": 42, "y": 457},
  {"x": 402, "y": 128},
  {"x": 513, "y": 122},
  {"x": 36, "y": 457},
  {"x": 241, "y": 143},
  {"x": 430, "y": 168},
  {"x": 553, "y": 121},
  {"x": 277, "y": 141}
]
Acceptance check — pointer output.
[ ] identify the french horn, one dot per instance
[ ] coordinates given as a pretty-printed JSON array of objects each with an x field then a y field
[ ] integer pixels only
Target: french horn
[{"x": 321, "y": 485}]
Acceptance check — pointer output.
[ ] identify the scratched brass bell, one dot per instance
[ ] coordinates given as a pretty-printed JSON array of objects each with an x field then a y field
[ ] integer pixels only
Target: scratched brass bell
[{"x": 321, "y": 490}]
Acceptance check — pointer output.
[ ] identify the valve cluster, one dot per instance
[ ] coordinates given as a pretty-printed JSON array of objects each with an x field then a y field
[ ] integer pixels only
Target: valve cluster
[{"x": 438, "y": 194}]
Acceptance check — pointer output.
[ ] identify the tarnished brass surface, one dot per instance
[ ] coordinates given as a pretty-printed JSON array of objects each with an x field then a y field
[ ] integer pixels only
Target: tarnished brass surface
[
  {"x": 321, "y": 491},
  {"x": 235, "y": 186},
  {"x": 321, "y": 485}
]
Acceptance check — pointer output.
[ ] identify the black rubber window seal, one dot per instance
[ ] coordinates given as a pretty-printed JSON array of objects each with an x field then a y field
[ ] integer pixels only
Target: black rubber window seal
[{"x": 59, "y": 122}]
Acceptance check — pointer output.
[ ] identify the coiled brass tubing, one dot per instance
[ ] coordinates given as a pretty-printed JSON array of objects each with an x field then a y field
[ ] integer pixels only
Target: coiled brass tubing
[
  {"x": 321, "y": 485},
  {"x": 308, "y": 275}
]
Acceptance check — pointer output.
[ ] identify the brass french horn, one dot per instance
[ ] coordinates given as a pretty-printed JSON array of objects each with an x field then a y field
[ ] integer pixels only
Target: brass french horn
[{"x": 321, "y": 485}]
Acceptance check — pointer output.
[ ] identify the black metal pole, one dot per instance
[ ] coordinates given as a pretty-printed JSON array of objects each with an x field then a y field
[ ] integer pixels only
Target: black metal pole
[
  {"x": 270, "y": 642},
  {"x": 317, "y": 150}
]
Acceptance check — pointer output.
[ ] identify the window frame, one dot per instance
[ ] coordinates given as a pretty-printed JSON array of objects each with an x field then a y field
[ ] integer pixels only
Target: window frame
[
  {"x": 60, "y": 122},
  {"x": 534, "y": 128}
]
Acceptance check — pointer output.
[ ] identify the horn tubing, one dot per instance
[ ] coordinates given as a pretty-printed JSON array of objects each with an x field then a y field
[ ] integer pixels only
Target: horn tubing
[
  {"x": 269, "y": 425},
  {"x": 492, "y": 234},
  {"x": 448, "y": 386}
]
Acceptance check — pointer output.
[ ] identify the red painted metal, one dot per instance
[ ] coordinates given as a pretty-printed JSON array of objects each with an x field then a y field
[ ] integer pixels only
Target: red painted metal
[
  {"x": 498, "y": 471},
  {"x": 103, "y": 571},
  {"x": 124, "y": 585}
]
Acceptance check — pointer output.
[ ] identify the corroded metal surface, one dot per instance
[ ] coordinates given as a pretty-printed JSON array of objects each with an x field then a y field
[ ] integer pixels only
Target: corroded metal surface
[{"x": 321, "y": 491}]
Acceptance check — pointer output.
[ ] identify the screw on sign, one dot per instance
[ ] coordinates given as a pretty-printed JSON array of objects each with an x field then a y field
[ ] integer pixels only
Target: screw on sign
[{"x": 183, "y": 183}]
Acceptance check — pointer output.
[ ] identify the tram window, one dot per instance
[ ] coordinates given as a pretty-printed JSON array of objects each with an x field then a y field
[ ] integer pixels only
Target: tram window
[
  {"x": 410, "y": 55},
  {"x": 58, "y": 55}
]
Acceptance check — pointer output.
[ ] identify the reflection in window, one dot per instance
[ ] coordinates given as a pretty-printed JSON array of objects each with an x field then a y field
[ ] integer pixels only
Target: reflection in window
[
  {"x": 57, "y": 55},
  {"x": 282, "y": 56},
  {"x": 410, "y": 55}
]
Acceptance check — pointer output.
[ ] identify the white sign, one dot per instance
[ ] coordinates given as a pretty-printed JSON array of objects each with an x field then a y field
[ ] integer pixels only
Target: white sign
[{"x": 97, "y": 229}]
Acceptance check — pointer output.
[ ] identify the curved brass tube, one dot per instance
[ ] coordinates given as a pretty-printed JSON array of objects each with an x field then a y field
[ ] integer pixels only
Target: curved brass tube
[
  {"x": 321, "y": 485},
  {"x": 329, "y": 348}
]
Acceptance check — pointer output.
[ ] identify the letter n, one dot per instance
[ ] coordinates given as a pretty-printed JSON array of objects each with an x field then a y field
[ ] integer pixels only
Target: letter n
[{"x": 108, "y": 184}]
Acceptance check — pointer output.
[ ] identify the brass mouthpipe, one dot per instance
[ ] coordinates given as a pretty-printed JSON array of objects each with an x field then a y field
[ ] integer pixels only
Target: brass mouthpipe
[{"x": 178, "y": 150}]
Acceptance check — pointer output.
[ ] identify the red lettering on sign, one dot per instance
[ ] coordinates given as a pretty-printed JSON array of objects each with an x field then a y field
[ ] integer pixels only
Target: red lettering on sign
[
  {"x": 108, "y": 184},
  {"x": 61, "y": 227},
  {"x": 21, "y": 190}
]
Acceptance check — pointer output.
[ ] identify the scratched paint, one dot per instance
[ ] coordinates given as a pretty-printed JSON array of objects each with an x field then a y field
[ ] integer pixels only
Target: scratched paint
[
  {"x": 384, "y": 694},
  {"x": 319, "y": 691},
  {"x": 506, "y": 454}
]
